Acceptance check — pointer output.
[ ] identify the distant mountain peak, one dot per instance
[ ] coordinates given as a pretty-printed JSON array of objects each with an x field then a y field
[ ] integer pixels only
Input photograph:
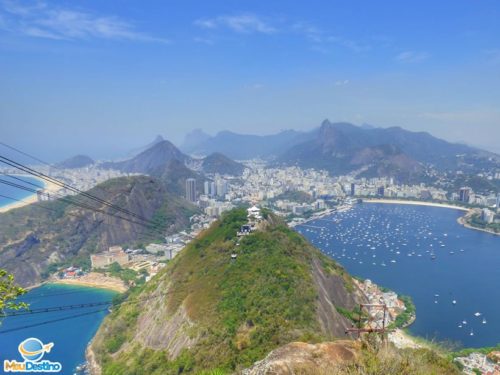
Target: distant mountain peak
[
  {"x": 193, "y": 139},
  {"x": 325, "y": 123},
  {"x": 77, "y": 161},
  {"x": 138, "y": 150},
  {"x": 217, "y": 162},
  {"x": 158, "y": 138},
  {"x": 151, "y": 159},
  {"x": 343, "y": 148}
]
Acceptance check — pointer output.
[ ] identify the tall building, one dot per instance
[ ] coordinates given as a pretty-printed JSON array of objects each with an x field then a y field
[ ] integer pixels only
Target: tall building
[
  {"x": 381, "y": 191},
  {"x": 209, "y": 189},
  {"x": 353, "y": 189},
  {"x": 191, "y": 190},
  {"x": 487, "y": 216},
  {"x": 221, "y": 188},
  {"x": 464, "y": 195}
]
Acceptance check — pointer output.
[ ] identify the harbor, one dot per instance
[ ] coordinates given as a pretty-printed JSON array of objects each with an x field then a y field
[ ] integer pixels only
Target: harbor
[{"x": 422, "y": 252}]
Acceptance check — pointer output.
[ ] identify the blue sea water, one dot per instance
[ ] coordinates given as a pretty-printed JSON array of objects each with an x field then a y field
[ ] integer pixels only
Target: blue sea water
[
  {"x": 393, "y": 245},
  {"x": 70, "y": 337},
  {"x": 16, "y": 193}
]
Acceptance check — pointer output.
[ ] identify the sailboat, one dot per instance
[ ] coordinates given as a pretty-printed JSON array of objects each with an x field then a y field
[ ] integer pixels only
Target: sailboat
[{"x": 484, "y": 320}]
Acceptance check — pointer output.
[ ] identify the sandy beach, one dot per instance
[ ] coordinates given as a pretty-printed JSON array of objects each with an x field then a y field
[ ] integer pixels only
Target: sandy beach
[
  {"x": 415, "y": 203},
  {"x": 95, "y": 280},
  {"x": 50, "y": 188}
]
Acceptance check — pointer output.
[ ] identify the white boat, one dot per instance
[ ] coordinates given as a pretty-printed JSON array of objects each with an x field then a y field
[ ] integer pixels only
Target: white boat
[
  {"x": 471, "y": 332},
  {"x": 484, "y": 321},
  {"x": 477, "y": 314},
  {"x": 454, "y": 302}
]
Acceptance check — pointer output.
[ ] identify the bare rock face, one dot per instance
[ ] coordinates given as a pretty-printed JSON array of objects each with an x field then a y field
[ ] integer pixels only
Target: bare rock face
[
  {"x": 173, "y": 336},
  {"x": 299, "y": 357}
]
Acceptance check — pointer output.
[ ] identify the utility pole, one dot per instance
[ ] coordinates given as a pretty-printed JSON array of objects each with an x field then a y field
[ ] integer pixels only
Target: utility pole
[{"x": 372, "y": 322}]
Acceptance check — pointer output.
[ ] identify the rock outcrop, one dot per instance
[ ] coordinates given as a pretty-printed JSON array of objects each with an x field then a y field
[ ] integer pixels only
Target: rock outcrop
[{"x": 303, "y": 358}]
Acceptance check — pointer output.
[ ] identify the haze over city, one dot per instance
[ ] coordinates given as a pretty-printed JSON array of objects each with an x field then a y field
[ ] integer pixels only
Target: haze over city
[{"x": 103, "y": 78}]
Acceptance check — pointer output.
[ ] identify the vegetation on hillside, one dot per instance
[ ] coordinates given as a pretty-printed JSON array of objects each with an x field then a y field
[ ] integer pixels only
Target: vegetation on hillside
[
  {"x": 129, "y": 276},
  {"x": 476, "y": 221},
  {"x": 242, "y": 308},
  {"x": 42, "y": 237},
  {"x": 9, "y": 291},
  {"x": 378, "y": 358},
  {"x": 407, "y": 316}
]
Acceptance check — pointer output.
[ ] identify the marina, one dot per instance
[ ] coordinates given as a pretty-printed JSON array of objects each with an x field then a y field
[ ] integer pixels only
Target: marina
[{"x": 422, "y": 252}]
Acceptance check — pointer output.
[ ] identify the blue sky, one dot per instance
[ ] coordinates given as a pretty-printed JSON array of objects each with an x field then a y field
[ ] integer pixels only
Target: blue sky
[{"x": 101, "y": 77}]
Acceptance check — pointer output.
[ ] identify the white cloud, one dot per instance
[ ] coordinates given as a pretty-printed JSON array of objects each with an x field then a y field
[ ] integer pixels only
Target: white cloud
[
  {"x": 38, "y": 19},
  {"x": 242, "y": 23},
  {"x": 349, "y": 44},
  {"x": 309, "y": 31},
  {"x": 206, "y": 24},
  {"x": 342, "y": 82},
  {"x": 319, "y": 37},
  {"x": 412, "y": 56}
]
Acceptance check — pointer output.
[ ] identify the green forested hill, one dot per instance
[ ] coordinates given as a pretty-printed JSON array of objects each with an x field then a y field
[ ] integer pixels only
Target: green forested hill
[{"x": 207, "y": 311}]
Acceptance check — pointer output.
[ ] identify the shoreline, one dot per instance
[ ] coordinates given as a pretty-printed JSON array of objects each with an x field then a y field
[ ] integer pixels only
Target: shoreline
[
  {"x": 415, "y": 203},
  {"x": 94, "y": 280},
  {"x": 463, "y": 221},
  {"x": 92, "y": 365},
  {"x": 48, "y": 187}
]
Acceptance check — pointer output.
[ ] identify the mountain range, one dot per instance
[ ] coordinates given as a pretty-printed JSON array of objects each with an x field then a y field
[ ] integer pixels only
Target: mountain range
[
  {"x": 342, "y": 148},
  {"x": 163, "y": 154},
  {"x": 243, "y": 146},
  {"x": 339, "y": 148}
]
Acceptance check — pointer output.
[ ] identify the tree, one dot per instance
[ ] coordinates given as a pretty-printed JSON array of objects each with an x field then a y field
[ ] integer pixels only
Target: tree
[{"x": 9, "y": 291}]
